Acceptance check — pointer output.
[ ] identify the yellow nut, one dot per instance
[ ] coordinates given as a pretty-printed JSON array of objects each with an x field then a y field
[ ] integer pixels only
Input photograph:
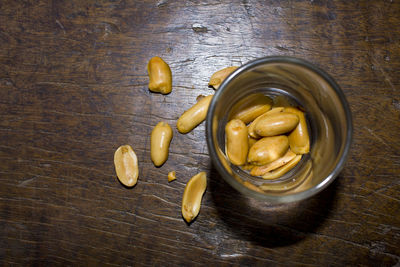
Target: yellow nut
[
  {"x": 268, "y": 149},
  {"x": 251, "y": 126},
  {"x": 218, "y": 77},
  {"x": 299, "y": 140},
  {"x": 194, "y": 116},
  {"x": 261, "y": 170},
  {"x": 275, "y": 110},
  {"x": 199, "y": 97},
  {"x": 252, "y": 187},
  {"x": 251, "y": 141},
  {"x": 192, "y": 196},
  {"x": 237, "y": 144},
  {"x": 171, "y": 176},
  {"x": 276, "y": 124},
  {"x": 248, "y": 167},
  {"x": 126, "y": 165},
  {"x": 282, "y": 170},
  {"x": 160, "y": 76},
  {"x": 251, "y": 107},
  {"x": 159, "y": 143}
]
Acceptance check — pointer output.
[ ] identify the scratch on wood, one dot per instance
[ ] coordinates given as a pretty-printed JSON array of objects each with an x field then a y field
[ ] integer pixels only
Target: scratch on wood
[
  {"x": 26, "y": 182},
  {"x": 379, "y": 67},
  {"x": 234, "y": 255},
  {"x": 161, "y": 199},
  {"x": 386, "y": 187},
  {"x": 281, "y": 48},
  {"x": 376, "y": 136},
  {"x": 389, "y": 197},
  {"x": 163, "y": 216},
  {"x": 61, "y": 26},
  {"x": 247, "y": 8},
  {"x": 141, "y": 217}
]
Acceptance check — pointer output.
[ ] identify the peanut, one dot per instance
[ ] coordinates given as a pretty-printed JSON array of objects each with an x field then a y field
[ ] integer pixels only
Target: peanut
[
  {"x": 261, "y": 170},
  {"x": 299, "y": 140},
  {"x": 282, "y": 170},
  {"x": 268, "y": 149},
  {"x": 276, "y": 124},
  {"x": 161, "y": 137},
  {"x": 251, "y": 126},
  {"x": 171, "y": 176},
  {"x": 252, "y": 187},
  {"x": 126, "y": 165},
  {"x": 251, "y": 107},
  {"x": 192, "y": 196},
  {"x": 160, "y": 76},
  {"x": 276, "y": 137},
  {"x": 251, "y": 141},
  {"x": 194, "y": 115},
  {"x": 247, "y": 167},
  {"x": 218, "y": 77},
  {"x": 237, "y": 144}
]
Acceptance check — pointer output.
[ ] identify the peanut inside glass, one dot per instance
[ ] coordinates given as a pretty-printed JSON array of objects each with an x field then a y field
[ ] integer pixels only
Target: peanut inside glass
[
  {"x": 300, "y": 83},
  {"x": 268, "y": 133}
]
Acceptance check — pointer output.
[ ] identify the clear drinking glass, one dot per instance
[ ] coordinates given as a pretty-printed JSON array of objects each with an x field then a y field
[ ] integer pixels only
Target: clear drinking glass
[{"x": 327, "y": 112}]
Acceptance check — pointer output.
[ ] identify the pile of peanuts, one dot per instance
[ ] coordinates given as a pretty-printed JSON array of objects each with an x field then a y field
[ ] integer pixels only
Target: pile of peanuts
[
  {"x": 265, "y": 139},
  {"x": 125, "y": 159}
]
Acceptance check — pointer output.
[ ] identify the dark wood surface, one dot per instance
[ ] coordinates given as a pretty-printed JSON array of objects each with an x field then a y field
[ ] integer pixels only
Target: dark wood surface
[{"x": 73, "y": 87}]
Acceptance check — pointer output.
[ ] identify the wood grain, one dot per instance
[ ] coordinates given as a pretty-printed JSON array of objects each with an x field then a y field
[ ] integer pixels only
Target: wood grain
[{"x": 73, "y": 87}]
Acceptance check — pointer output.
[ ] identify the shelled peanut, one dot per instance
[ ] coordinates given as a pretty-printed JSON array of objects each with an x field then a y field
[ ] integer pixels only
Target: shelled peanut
[
  {"x": 126, "y": 165},
  {"x": 160, "y": 76},
  {"x": 160, "y": 140},
  {"x": 275, "y": 139},
  {"x": 194, "y": 115},
  {"x": 218, "y": 77}
]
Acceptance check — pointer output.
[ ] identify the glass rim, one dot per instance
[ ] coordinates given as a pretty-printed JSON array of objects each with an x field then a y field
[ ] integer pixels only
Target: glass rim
[{"x": 276, "y": 199}]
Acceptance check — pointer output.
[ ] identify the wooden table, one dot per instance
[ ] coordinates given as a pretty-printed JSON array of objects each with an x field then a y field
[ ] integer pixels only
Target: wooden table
[{"x": 73, "y": 87}]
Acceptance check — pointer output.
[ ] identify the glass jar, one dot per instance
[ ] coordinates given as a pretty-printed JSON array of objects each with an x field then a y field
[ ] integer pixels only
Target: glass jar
[{"x": 328, "y": 116}]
